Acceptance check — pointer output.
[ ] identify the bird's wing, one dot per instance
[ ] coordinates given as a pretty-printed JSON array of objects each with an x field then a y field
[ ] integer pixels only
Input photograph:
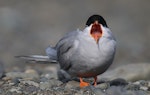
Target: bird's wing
[{"x": 65, "y": 49}]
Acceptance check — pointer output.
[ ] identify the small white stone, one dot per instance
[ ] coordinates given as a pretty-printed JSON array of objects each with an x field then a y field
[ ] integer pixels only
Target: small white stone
[
  {"x": 144, "y": 88},
  {"x": 16, "y": 90},
  {"x": 30, "y": 83}
]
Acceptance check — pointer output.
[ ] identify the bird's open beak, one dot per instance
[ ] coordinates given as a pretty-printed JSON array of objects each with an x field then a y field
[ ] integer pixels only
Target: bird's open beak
[{"x": 96, "y": 31}]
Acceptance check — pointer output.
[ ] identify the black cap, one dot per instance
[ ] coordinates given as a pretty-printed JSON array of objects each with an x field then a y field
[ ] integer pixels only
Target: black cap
[{"x": 94, "y": 18}]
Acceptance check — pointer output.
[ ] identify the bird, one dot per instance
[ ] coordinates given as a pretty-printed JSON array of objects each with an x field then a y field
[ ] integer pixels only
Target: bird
[{"x": 83, "y": 54}]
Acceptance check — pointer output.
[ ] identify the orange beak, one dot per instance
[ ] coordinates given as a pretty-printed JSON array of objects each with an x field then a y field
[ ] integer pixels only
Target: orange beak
[{"x": 96, "y": 31}]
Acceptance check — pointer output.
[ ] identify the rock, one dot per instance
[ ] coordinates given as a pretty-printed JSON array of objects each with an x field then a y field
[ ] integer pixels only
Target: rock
[
  {"x": 27, "y": 74},
  {"x": 29, "y": 89},
  {"x": 132, "y": 87},
  {"x": 130, "y": 72},
  {"x": 16, "y": 89},
  {"x": 30, "y": 71},
  {"x": 103, "y": 86},
  {"x": 49, "y": 84},
  {"x": 144, "y": 88},
  {"x": 98, "y": 92},
  {"x": 43, "y": 79},
  {"x": 114, "y": 90},
  {"x": 6, "y": 78},
  {"x": 49, "y": 75},
  {"x": 136, "y": 83},
  {"x": 19, "y": 83},
  {"x": 119, "y": 90},
  {"x": 30, "y": 83},
  {"x": 143, "y": 83},
  {"x": 130, "y": 92},
  {"x": 118, "y": 82},
  {"x": 1, "y": 83},
  {"x": 44, "y": 85},
  {"x": 1, "y": 70},
  {"x": 72, "y": 84},
  {"x": 52, "y": 71},
  {"x": 15, "y": 81}
]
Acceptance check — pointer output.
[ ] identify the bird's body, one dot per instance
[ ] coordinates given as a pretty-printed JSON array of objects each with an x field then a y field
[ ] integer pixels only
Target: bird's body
[
  {"x": 86, "y": 53},
  {"x": 81, "y": 56}
]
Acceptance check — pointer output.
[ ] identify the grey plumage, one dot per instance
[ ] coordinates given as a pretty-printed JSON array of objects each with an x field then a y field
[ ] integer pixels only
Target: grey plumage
[{"x": 79, "y": 55}]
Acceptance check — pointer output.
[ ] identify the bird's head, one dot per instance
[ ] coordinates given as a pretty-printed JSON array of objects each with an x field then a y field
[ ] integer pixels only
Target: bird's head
[{"x": 96, "y": 22}]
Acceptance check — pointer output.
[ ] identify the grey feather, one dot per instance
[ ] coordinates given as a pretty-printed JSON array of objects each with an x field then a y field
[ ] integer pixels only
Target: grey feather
[
  {"x": 51, "y": 53},
  {"x": 65, "y": 49},
  {"x": 36, "y": 58}
]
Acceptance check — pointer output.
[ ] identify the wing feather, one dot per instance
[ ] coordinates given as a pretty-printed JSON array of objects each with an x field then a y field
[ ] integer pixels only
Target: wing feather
[{"x": 65, "y": 49}]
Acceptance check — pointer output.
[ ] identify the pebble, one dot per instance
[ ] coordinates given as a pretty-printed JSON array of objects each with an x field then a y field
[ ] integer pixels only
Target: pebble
[
  {"x": 31, "y": 71},
  {"x": 149, "y": 84},
  {"x": 30, "y": 83},
  {"x": 72, "y": 84},
  {"x": 98, "y": 92},
  {"x": 143, "y": 82},
  {"x": 47, "y": 84},
  {"x": 15, "y": 80},
  {"x": 44, "y": 85},
  {"x": 1, "y": 70},
  {"x": 16, "y": 89},
  {"x": 30, "y": 75},
  {"x": 118, "y": 82},
  {"x": 132, "y": 87},
  {"x": 103, "y": 86},
  {"x": 140, "y": 71},
  {"x": 49, "y": 75},
  {"x": 6, "y": 78},
  {"x": 1, "y": 83},
  {"x": 136, "y": 83},
  {"x": 52, "y": 71},
  {"x": 50, "y": 83},
  {"x": 114, "y": 90},
  {"x": 144, "y": 88}
]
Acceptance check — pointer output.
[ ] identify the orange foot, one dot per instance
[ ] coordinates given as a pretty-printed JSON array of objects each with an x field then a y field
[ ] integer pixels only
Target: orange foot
[{"x": 83, "y": 84}]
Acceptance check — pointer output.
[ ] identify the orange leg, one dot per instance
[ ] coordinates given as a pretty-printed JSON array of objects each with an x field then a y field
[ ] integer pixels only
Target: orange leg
[
  {"x": 83, "y": 84},
  {"x": 95, "y": 81}
]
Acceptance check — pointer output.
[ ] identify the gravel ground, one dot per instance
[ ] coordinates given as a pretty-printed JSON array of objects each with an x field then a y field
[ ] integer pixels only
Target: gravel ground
[{"x": 33, "y": 82}]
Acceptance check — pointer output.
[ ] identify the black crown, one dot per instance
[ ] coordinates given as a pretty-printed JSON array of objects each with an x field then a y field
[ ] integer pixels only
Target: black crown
[{"x": 94, "y": 18}]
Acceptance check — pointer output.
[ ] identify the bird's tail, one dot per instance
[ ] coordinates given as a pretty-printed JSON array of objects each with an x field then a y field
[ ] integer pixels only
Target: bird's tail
[
  {"x": 50, "y": 58},
  {"x": 36, "y": 59}
]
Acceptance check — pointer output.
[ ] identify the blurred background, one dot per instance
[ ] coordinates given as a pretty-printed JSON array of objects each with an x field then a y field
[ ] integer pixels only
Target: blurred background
[{"x": 29, "y": 26}]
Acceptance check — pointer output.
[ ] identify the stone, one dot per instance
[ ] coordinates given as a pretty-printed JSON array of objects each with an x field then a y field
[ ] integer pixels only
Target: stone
[
  {"x": 132, "y": 87},
  {"x": 98, "y": 92},
  {"x": 16, "y": 89},
  {"x": 1, "y": 70},
  {"x": 72, "y": 84},
  {"x": 30, "y": 83},
  {"x": 143, "y": 83},
  {"x": 118, "y": 82},
  {"x": 144, "y": 88},
  {"x": 1, "y": 83},
  {"x": 103, "y": 86},
  {"x": 30, "y": 75},
  {"x": 114, "y": 90},
  {"x": 49, "y": 84},
  {"x": 49, "y": 75},
  {"x": 51, "y": 71},
  {"x": 130, "y": 72},
  {"x": 44, "y": 85},
  {"x": 30, "y": 71}
]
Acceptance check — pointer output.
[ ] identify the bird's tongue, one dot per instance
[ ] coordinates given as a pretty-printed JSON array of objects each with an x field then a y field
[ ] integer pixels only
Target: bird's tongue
[{"x": 96, "y": 32}]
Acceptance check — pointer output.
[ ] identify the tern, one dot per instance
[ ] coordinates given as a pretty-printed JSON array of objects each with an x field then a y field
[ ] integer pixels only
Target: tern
[{"x": 84, "y": 54}]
